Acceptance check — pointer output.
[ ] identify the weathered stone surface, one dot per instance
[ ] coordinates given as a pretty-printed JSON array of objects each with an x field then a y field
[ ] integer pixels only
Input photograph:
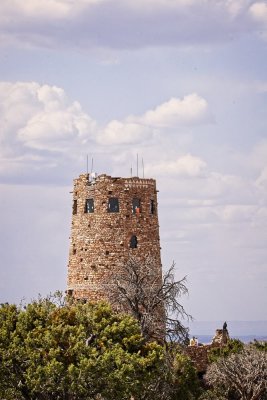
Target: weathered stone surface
[
  {"x": 199, "y": 353},
  {"x": 221, "y": 337},
  {"x": 101, "y": 240},
  {"x": 199, "y": 356}
]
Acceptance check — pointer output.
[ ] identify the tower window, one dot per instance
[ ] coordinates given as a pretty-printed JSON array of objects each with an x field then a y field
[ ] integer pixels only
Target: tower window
[
  {"x": 74, "y": 207},
  {"x": 152, "y": 207},
  {"x": 136, "y": 206},
  {"x": 113, "y": 204},
  {"x": 89, "y": 206},
  {"x": 133, "y": 242}
]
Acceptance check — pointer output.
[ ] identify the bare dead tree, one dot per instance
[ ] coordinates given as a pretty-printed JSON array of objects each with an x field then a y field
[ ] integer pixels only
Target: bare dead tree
[
  {"x": 152, "y": 299},
  {"x": 241, "y": 375}
]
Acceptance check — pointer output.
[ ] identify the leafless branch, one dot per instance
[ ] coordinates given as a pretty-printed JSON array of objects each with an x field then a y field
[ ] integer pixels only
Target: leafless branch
[
  {"x": 152, "y": 299},
  {"x": 244, "y": 374}
]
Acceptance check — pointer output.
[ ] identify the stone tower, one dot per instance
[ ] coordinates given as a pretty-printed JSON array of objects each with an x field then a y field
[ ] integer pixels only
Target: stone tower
[{"x": 113, "y": 220}]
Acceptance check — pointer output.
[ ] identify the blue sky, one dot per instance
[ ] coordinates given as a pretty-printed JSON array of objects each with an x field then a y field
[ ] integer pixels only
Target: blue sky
[{"x": 183, "y": 83}]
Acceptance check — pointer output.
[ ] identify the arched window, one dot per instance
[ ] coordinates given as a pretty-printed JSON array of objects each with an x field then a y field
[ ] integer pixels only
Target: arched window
[{"x": 133, "y": 242}]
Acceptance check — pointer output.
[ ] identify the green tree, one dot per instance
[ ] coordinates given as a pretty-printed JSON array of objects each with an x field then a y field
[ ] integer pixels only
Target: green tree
[
  {"x": 73, "y": 351},
  {"x": 260, "y": 344},
  {"x": 176, "y": 379},
  {"x": 52, "y": 349},
  {"x": 232, "y": 346}
]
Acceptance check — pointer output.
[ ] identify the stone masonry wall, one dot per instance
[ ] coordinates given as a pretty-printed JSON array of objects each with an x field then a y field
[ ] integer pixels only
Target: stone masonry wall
[
  {"x": 199, "y": 353},
  {"x": 100, "y": 240}
]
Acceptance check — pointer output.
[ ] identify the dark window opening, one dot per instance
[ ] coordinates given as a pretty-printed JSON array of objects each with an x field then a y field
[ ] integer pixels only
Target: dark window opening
[
  {"x": 136, "y": 206},
  {"x": 74, "y": 251},
  {"x": 89, "y": 206},
  {"x": 113, "y": 204},
  {"x": 133, "y": 242},
  {"x": 74, "y": 207},
  {"x": 107, "y": 252},
  {"x": 152, "y": 207}
]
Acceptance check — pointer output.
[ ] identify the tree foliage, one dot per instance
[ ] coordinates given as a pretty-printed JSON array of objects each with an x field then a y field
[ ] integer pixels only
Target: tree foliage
[
  {"x": 176, "y": 379},
  {"x": 260, "y": 345},
  {"x": 44, "y": 353},
  {"x": 51, "y": 349},
  {"x": 241, "y": 375},
  {"x": 232, "y": 346},
  {"x": 153, "y": 301}
]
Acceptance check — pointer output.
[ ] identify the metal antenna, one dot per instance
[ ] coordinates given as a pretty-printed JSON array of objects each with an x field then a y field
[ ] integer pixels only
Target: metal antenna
[
  {"x": 92, "y": 165},
  {"x": 131, "y": 171},
  {"x": 87, "y": 164},
  {"x": 137, "y": 164},
  {"x": 143, "y": 168}
]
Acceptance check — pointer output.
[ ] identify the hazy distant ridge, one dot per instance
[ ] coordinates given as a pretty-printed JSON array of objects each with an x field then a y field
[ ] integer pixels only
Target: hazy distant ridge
[{"x": 245, "y": 329}]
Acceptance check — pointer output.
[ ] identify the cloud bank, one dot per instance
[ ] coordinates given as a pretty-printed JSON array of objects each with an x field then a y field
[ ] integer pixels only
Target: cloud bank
[
  {"x": 124, "y": 24},
  {"x": 40, "y": 123}
]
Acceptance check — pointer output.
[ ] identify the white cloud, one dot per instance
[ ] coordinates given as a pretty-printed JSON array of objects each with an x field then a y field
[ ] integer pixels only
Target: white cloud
[
  {"x": 55, "y": 9},
  {"x": 40, "y": 124},
  {"x": 42, "y": 117},
  {"x": 192, "y": 109},
  {"x": 237, "y": 213},
  {"x": 189, "y": 110},
  {"x": 186, "y": 165},
  {"x": 118, "y": 133},
  {"x": 258, "y": 11},
  {"x": 52, "y": 97},
  {"x": 18, "y": 103},
  {"x": 235, "y": 7},
  {"x": 112, "y": 24},
  {"x": 58, "y": 130}
]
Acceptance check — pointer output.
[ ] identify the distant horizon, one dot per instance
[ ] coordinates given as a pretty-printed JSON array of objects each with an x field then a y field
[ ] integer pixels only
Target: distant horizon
[
  {"x": 233, "y": 320},
  {"x": 235, "y": 328},
  {"x": 205, "y": 339}
]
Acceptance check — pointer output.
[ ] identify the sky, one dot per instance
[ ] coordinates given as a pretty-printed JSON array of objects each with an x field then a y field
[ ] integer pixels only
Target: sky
[{"x": 181, "y": 83}]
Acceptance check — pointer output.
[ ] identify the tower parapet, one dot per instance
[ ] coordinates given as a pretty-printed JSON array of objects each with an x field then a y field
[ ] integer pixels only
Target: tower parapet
[{"x": 113, "y": 220}]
